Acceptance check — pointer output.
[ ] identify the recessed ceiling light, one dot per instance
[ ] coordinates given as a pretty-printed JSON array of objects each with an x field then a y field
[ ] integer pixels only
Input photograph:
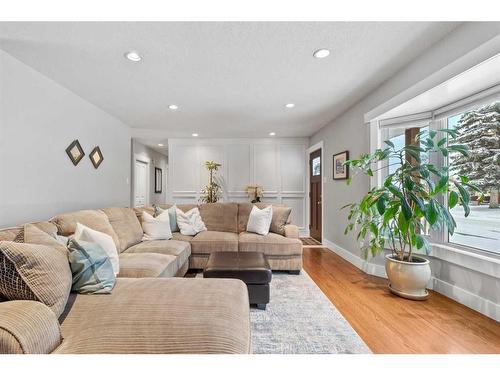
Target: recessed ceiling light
[
  {"x": 133, "y": 56},
  {"x": 160, "y": 144},
  {"x": 290, "y": 105},
  {"x": 321, "y": 53},
  {"x": 194, "y": 134},
  {"x": 173, "y": 107},
  {"x": 272, "y": 133}
]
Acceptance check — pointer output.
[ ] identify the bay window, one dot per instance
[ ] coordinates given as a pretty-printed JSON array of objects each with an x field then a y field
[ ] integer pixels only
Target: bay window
[{"x": 478, "y": 125}]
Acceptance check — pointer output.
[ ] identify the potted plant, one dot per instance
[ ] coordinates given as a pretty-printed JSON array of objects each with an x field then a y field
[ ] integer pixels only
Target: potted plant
[
  {"x": 255, "y": 192},
  {"x": 395, "y": 216},
  {"x": 211, "y": 193}
]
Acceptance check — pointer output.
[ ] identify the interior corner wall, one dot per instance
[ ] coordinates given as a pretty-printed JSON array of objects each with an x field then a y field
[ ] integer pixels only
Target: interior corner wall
[
  {"x": 155, "y": 160},
  {"x": 465, "y": 47},
  {"x": 38, "y": 119}
]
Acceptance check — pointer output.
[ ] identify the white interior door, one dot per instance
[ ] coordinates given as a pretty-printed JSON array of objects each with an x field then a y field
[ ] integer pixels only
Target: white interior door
[{"x": 141, "y": 183}]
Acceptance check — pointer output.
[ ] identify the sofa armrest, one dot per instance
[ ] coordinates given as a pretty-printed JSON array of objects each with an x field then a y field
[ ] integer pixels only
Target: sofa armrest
[
  {"x": 291, "y": 231},
  {"x": 28, "y": 327}
]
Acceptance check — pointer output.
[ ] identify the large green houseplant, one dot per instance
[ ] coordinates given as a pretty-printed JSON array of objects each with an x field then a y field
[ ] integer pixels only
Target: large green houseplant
[{"x": 411, "y": 200}]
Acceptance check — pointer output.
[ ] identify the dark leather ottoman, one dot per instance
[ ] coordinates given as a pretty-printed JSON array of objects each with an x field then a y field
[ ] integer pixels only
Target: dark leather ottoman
[{"x": 252, "y": 268}]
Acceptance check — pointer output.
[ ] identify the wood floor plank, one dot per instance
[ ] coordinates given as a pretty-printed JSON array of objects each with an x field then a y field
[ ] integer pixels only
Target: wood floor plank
[{"x": 390, "y": 324}]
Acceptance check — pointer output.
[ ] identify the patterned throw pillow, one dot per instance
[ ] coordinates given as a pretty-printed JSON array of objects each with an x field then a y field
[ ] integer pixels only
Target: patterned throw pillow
[
  {"x": 34, "y": 272},
  {"x": 91, "y": 268}
]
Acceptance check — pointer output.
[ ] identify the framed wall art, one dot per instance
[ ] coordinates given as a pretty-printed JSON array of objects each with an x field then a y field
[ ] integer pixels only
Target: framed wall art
[
  {"x": 158, "y": 180},
  {"x": 75, "y": 152},
  {"x": 340, "y": 171},
  {"x": 96, "y": 157}
]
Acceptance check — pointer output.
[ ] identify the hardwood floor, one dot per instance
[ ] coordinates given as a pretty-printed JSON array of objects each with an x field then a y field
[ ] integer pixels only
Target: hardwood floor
[{"x": 390, "y": 324}]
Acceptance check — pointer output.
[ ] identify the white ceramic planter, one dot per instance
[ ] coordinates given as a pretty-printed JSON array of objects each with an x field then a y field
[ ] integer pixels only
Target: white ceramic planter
[{"x": 408, "y": 279}]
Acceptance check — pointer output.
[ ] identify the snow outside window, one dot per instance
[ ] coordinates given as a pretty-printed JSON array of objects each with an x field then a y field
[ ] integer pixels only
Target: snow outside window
[{"x": 479, "y": 129}]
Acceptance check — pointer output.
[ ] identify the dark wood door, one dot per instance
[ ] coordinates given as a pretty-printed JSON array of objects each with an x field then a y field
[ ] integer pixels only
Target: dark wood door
[{"x": 315, "y": 194}]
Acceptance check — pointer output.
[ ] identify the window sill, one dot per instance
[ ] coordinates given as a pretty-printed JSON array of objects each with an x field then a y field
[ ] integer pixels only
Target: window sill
[{"x": 485, "y": 263}]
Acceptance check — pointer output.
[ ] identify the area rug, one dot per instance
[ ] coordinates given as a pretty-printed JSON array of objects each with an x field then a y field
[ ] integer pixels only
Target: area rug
[{"x": 300, "y": 319}]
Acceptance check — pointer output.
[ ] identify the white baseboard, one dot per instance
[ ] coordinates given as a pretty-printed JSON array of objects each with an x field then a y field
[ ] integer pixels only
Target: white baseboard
[
  {"x": 367, "y": 267},
  {"x": 471, "y": 300}
]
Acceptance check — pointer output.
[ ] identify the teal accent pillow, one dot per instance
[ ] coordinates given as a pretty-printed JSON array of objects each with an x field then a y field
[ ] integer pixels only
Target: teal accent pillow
[
  {"x": 172, "y": 216},
  {"x": 91, "y": 268}
]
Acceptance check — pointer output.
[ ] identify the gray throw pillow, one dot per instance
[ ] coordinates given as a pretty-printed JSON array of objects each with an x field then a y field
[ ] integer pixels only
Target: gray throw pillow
[{"x": 91, "y": 268}]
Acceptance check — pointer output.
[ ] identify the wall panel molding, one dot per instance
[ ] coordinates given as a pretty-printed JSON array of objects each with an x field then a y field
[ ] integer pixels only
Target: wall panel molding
[{"x": 279, "y": 165}]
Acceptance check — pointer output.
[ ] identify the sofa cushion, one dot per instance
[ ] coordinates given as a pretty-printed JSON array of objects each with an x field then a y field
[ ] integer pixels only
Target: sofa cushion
[
  {"x": 209, "y": 241},
  {"x": 17, "y": 233},
  {"x": 94, "y": 219},
  {"x": 34, "y": 272},
  {"x": 138, "y": 265},
  {"x": 28, "y": 327},
  {"x": 181, "y": 237},
  {"x": 180, "y": 249},
  {"x": 139, "y": 210},
  {"x": 161, "y": 315},
  {"x": 220, "y": 217},
  {"x": 34, "y": 235},
  {"x": 126, "y": 226},
  {"x": 272, "y": 244},
  {"x": 281, "y": 216},
  {"x": 280, "y": 219}
]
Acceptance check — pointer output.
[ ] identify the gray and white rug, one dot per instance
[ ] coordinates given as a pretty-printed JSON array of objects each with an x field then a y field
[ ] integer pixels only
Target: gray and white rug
[{"x": 300, "y": 319}]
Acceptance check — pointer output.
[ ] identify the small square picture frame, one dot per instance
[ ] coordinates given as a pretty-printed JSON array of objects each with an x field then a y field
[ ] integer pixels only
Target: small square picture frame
[
  {"x": 340, "y": 171},
  {"x": 75, "y": 152},
  {"x": 96, "y": 157}
]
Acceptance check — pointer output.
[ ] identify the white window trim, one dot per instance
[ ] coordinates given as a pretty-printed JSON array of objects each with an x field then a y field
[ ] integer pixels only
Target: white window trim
[{"x": 472, "y": 258}]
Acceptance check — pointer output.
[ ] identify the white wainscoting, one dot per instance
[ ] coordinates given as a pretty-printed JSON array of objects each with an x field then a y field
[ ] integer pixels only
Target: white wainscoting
[{"x": 279, "y": 165}]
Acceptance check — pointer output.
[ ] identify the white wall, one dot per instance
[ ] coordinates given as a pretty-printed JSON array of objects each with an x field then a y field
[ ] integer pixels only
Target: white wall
[
  {"x": 155, "y": 159},
  {"x": 38, "y": 120},
  {"x": 279, "y": 165},
  {"x": 463, "y": 48}
]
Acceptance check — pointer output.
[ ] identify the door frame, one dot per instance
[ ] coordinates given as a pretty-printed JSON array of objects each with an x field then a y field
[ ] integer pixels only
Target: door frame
[
  {"x": 315, "y": 147},
  {"x": 147, "y": 161}
]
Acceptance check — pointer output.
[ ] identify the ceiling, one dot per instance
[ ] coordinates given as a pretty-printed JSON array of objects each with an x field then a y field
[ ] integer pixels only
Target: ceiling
[
  {"x": 479, "y": 78},
  {"x": 229, "y": 79}
]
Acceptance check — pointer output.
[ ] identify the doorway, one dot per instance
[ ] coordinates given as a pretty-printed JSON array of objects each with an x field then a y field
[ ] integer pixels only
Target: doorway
[
  {"x": 141, "y": 183},
  {"x": 315, "y": 195}
]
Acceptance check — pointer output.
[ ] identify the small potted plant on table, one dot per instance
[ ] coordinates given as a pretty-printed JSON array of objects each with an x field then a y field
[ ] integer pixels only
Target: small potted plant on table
[{"x": 395, "y": 216}]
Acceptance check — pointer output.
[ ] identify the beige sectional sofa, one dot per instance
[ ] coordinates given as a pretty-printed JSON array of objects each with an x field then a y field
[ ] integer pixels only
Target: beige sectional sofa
[
  {"x": 226, "y": 231},
  {"x": 150, "y": 310}
]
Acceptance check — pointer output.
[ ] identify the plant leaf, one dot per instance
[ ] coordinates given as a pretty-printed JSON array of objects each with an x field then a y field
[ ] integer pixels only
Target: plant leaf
[
  {"x": 381, "y": 205},
  {"x": 452, "y": 199},
  {"x": 464, "y": 150},
  {"x": 389, "y": 143}
]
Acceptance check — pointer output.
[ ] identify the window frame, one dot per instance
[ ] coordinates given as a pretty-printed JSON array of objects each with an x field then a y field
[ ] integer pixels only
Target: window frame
[{"x": 438, "y": 119}]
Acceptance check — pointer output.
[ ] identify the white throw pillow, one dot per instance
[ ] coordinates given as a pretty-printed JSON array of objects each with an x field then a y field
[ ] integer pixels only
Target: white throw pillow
[
  {"x": 103, "y": 240},
  {"x": 190, "y": 222},
  {"x": 156, "y": 228},
  {"x": 259, "y": 220}
]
